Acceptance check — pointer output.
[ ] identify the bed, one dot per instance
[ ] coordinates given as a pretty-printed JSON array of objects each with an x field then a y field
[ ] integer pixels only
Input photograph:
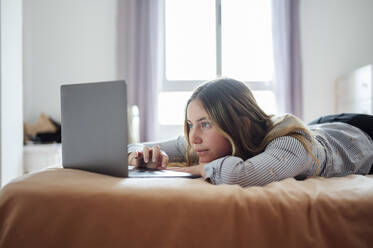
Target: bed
[{"x": 58, "y": 207}]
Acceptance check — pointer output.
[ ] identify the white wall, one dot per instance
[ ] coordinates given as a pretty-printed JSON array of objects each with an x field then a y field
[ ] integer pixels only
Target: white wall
[
  {"x": 11, "y": 134},
  {"x": 75, "y": 41},
  {"x": 69, "y": 41},
  {"x": 337, "y": 37}
]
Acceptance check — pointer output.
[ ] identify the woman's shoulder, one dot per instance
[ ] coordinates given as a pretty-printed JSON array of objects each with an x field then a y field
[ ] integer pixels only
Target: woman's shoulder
[
  {"x": 286, "y": 142},
  {"x": 288, "y": 125}
]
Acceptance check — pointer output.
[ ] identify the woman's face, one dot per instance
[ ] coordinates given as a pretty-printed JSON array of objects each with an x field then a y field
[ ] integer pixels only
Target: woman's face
[{"x": 204, "y": 138}]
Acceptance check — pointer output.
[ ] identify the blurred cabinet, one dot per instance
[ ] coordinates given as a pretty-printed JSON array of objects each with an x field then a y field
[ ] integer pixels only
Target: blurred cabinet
[{"x": 39, "y": 156}]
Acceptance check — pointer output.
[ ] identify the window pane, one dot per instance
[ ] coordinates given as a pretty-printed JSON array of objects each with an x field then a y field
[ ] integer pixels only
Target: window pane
[
  {"x": 190, "y": 39},
  {"x": 266, "y": 101},
  {"x": 172, "y": 107},
  {"x": 247, "y": 39}
]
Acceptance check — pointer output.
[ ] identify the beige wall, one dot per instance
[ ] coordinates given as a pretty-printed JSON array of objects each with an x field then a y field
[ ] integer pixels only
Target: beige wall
[
  {"x": 69, "y": 41},
  {"x": 337, "y": 37}
]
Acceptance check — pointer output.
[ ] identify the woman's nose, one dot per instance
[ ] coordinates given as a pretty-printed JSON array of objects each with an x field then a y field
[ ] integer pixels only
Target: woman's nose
[{"x": 195, "y": 138}]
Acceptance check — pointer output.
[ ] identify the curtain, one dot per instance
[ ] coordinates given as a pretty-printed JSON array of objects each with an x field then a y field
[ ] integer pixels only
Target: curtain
[
  {"x": 287, "y": 56},
  {"x": 139, "y": 59}
]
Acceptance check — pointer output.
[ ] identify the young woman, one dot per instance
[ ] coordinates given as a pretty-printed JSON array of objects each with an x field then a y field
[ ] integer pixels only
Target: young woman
[{"x": 230, "y": 139}]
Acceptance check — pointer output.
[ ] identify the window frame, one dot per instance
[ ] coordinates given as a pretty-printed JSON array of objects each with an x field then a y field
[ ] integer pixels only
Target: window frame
[{"x": 190, "y": 85}]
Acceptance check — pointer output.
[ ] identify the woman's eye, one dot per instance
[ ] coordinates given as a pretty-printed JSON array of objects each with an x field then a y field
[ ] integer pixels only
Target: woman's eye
[
  {"x": 205, "y": 124},
  {"x": 190, "y": 126}
]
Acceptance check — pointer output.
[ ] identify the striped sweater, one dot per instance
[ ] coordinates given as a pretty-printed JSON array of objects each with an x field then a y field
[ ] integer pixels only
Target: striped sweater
[{"x": 340, "y": 148}]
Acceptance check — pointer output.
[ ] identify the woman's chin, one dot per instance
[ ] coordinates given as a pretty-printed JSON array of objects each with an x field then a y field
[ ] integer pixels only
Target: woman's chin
[{"x": 205, "y": 160}]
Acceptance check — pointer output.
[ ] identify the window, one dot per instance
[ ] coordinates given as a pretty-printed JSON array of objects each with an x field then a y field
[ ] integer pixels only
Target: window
[{"x": 209, "y": 38}]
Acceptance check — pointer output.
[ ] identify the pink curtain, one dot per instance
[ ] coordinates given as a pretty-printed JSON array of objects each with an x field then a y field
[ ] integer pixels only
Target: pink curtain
[
  {"x": 138, "y": 59},
  {"x": 287, "y": 56}
]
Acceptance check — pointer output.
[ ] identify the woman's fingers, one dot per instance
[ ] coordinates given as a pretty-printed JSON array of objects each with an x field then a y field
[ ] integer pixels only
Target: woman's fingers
[
  {"x": 195, "y": 169},
  {"x": 146, "y": 154},
  {"x": 132, "y": 158},
  {"x": 139, "y": 159},
  {"x": 182, "y": 169},
  {"x": 159, "y": 158},
  {"x": 135, "y": 159},
  {"x": 164, "y": 159},
  {"x": 152, "y": 157},
  {"x": 156, "y": 153}
]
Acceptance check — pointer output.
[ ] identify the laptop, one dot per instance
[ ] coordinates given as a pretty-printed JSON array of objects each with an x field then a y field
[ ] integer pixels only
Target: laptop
[{"x": 95, "y": 133}]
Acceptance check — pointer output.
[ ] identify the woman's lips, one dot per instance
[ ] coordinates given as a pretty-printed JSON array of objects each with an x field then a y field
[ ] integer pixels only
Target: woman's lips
[{"x": 201, "y": 152}]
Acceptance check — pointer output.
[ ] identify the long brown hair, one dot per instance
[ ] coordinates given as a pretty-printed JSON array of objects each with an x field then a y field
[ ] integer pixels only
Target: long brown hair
[{"x": 233, "y": 110}]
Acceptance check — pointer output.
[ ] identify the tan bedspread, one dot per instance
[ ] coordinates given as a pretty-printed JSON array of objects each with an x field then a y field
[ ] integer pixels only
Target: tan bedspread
[{"x": 70, "y": 208}]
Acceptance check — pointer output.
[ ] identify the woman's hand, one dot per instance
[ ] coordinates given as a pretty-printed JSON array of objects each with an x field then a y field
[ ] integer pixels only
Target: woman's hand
[
  {"x": 149, "y": 157},
  {"x": 194, "y": 169}
]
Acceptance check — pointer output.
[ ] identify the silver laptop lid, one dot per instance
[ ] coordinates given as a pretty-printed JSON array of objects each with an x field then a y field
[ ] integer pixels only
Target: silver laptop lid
[{"x": 94, "y": 127}]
